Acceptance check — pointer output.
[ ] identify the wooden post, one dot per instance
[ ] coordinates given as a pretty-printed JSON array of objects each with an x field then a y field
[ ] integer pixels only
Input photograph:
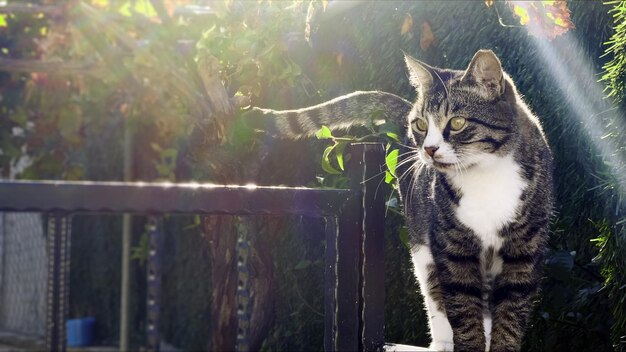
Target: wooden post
[
  {"x": 126, "y": 244},
  {"x": 330, "y": 284},
  {"x": 354, "y": 267},
  {"x": 373, "y": 248}
]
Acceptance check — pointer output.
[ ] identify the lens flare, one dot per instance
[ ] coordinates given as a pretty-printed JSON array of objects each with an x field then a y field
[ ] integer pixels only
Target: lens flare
[{"x": 574, "y": 75}]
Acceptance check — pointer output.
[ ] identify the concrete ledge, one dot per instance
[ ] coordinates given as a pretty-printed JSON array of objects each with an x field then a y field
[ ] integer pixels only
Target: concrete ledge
[{"x": 393, "y": 347}]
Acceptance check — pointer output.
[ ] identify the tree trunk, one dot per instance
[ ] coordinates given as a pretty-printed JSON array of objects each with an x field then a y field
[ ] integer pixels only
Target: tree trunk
[
  {"x": 222, "y": 234},
  {"x": 222, "y": 242},
  {"x": 262, "y": 285}
]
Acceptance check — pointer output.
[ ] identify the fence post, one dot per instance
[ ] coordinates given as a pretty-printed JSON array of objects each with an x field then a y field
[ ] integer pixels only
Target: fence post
[
  {"x": 243, "y": 287},
  {"x": 59, "y": 239},
  {"x": 155, "y": 263},
  {"x": 355, "y": 258},
  {"x": 373, "y": 248},
  {"x": 330, "y": 284}
]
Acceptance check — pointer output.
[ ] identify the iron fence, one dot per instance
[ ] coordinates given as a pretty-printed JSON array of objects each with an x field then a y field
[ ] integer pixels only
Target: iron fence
[{"x": 354, "y": 254}]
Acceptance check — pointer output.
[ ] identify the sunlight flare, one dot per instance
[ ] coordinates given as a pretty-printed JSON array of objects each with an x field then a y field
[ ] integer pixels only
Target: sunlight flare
[{"x": 575, "y": 77}]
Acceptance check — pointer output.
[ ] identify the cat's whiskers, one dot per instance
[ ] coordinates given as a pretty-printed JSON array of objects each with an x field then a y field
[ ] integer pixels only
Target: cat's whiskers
[
  {"x": 400, "y": 156},
  {"x": 462, "y": 169},
  {"x": 414, "y": 158},
  {"x": 465, "y": 162},
  {"x": 406, "y": 172},
  {"x": 409, "y": 172},
  {"x": 374, "y": 176},
  {"x": 409, "y": 200},
  {"x": 415, "y": 175},
  {"x": 418, "y": 173},
  {"x": 397, "y": 165},
  {"x": 470, "y": 158},
  {"x": 457, "y": 168},
  {"x": 407, "y": 146},
  {"x": 405, "y": 161}
]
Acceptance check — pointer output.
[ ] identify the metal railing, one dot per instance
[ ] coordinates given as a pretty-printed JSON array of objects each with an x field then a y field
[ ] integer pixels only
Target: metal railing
[{"x": 354, "y": 254}]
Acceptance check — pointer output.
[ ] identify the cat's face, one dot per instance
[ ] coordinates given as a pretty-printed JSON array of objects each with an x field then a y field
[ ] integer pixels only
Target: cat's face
[{"x": 461, "y": 118}]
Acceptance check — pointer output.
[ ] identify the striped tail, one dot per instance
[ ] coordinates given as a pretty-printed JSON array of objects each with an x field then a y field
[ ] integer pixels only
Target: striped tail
[{"x": 354, "y": 109}]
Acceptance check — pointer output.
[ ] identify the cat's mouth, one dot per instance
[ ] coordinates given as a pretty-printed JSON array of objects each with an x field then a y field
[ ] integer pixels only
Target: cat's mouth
[{"x": 440, "y": 165}]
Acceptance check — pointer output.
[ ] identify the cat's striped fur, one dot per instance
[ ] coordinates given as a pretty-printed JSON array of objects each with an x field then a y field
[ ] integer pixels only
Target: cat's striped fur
[{"x": 477, "y": 199}]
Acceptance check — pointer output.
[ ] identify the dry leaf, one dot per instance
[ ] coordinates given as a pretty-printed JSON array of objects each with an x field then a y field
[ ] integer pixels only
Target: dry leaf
[
  {"x": 426, "y": 37},
  {"x": 544, "y": 19},
  {"x": 124, "y": 109},
  {"x": 170, "y": 7},
  {"x": 407, "y": 24},
  {"x": 489, "y": 3},
  {"x": 310, "y": 14},
  {"x": 339, "y": 58},
  {"x": 522, "y": 13}
]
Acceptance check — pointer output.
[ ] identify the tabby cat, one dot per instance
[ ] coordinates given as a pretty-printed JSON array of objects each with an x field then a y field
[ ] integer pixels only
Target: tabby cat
[{"x": 475, "y": 179}]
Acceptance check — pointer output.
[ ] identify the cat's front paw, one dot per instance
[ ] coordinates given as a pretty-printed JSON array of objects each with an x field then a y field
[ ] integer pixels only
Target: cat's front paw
[{"x": 441, "y": 346}]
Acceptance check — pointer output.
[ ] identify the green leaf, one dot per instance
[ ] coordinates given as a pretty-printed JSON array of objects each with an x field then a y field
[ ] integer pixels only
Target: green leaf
[
  {"x": 389, "y": 177},
  {"x": 389, "y": 127},
  {"x": 324, "y": 133},
  {"x": 326, "y": 161},
  {"x": 393, "y": 136},
  {"x": 3, "y": 20},
  {"x": 143, "y": 7},
  {"x": 303, "y": 264},
  {"x": 392, "y": 161},
  {"x": 69, "y": 124},
  {"x": 197, "y": 221},
  {"x": 141, "y": 251},
  {"x": 169, "y": 153},
  {"x": 125, "y": 10},
  {"x": 74, "y": 172},
  {"x": 100, "y": 3},
  {"x": 391, "y": 130},
  {"x": 341, "y": 146},
  {"x": 19, "y": 116},
  {"x": 376, "y": 115},
  {"x": 156, "y": 147}
]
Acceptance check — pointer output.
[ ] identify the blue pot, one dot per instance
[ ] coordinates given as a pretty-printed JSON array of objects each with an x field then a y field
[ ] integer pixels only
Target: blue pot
[{"x": 80, "y": 332}]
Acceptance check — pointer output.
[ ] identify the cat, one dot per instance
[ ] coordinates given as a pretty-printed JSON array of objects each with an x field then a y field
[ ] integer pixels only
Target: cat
[{"x": 475, "y": 179}]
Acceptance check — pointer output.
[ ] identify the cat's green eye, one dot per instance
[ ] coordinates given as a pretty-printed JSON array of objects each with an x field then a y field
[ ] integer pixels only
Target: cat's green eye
[
  {"x": 457, "y": 123},
  {"x": 420, "y": 125}
]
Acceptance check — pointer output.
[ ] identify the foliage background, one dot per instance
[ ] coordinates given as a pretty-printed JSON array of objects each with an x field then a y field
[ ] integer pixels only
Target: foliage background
[{"x": 71, "y": 127}]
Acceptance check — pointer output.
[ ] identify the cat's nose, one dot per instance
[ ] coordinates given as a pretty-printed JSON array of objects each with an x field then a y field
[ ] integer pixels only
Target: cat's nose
[{"x": 431, "y": 151}]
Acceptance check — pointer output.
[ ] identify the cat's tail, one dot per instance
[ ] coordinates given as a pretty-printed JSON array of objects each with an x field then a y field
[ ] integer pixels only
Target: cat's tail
[{"x": 354, "y": 109}]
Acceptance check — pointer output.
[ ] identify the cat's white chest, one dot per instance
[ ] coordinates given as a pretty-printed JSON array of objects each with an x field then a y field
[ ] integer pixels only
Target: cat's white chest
[{"x": 490, "y": 197}]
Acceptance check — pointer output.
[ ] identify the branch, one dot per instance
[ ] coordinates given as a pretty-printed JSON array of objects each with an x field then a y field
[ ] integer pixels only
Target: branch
[
  {"x": 181, "y": 83},
  {"x": 502, "y": 22},
  {"x": 87, "y": 68},
  {"x": 29, "y": 8},
  {"x": 160, "y": 9}
]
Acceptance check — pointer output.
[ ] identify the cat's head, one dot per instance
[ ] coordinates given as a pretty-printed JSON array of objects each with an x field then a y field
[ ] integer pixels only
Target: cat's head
[{"x": 461, "y": 117}]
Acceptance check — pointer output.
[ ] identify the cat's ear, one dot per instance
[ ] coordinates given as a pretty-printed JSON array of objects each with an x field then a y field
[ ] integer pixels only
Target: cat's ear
[
  {"x": 420, "y": 74},
  {"x": 485, "y": 71}
]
